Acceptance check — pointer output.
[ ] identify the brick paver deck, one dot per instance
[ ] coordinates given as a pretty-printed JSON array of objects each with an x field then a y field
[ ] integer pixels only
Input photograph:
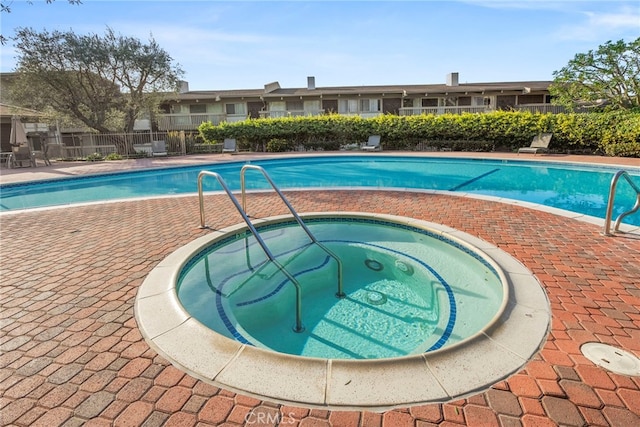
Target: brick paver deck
[{"x": 72, "y": 354}]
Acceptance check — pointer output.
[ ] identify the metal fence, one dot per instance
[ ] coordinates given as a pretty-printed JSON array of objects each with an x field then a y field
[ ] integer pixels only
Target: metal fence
[{"x": 83, "y": 145}]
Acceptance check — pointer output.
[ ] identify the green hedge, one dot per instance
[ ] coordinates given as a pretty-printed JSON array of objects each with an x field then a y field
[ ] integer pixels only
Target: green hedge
[{"x": 613, "y": 133}]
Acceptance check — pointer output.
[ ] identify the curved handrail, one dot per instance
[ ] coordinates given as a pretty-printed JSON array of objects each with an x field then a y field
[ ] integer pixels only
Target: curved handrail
[
  {"x": 298, "y": 326},
  {"x": 340, "y": 293},
  {"x": 612, "y": 194}
]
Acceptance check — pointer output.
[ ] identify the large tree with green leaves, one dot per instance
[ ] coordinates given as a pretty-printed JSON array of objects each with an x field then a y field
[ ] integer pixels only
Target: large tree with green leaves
[
  {"x": 105, "y": 82},
  {"x": 611, "y": 73}
]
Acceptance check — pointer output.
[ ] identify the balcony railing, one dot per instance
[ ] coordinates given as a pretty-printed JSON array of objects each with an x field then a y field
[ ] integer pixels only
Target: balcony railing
[
  {"x": 416, "y": 111},
  {"x": 188, "y": 121},
  {"x": 540, "y": 108},
  {"x": 290, "y": 113}
]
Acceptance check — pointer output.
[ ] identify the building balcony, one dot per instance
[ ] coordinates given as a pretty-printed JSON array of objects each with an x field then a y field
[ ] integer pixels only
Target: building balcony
[
  {"x": 541, "y": 108},
  {"x": 290, "y": 113},
  {"x": 416, "y": 111},
  {"x": 188, "y": 121}
]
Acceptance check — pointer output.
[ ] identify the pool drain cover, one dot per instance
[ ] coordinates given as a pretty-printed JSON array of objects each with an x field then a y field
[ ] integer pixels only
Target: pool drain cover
[{"x": 612, "y": 358}]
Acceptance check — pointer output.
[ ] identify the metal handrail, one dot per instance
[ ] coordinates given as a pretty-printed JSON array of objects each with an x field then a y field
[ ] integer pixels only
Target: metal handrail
[
  {"x": 612, "y": 195},
  {"x": 340, "y": 293},
  {"x": 298, "y": 327}
]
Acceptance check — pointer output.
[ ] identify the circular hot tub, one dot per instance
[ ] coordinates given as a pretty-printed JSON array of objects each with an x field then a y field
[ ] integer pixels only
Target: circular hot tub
[
  {"x": 370, "y": 289},
  {"x": 382, "y": 312}
]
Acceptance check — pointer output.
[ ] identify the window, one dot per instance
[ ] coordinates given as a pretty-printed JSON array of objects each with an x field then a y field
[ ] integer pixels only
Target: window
[
  {"x": 346, "y": 106},
  {"x": 277, "y": 106},
  {"x": 179, "y": 109},
  {"x": 312, "y": 106},
  {"x": 236, "y": 109},
  {"x": 370, "y": 105},
  {"x": 355, "y": 106},
  {"x": 479, "y": 101},
  {"x": 450, "y": 101},
  {"x": 197, "y": 108},
  {"x": 429, "y": 102},
  {"x": 295, "y": 105}
]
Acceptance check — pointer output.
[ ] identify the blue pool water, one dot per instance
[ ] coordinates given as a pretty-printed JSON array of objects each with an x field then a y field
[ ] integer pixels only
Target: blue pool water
[
  {"x": 408, "y": 290},
  {"x": 578, "y": 188}
]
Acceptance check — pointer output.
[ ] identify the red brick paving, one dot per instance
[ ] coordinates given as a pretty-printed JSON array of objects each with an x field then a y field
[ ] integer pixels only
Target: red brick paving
[{"x": 72, "y": 354}]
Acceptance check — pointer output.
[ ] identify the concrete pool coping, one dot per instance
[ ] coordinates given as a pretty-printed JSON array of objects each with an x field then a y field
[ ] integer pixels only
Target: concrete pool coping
[{"x": 443, "y": 375}]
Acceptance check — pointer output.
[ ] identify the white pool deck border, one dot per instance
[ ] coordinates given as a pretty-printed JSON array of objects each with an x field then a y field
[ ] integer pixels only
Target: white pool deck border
[{"x": 502, "y": 348}]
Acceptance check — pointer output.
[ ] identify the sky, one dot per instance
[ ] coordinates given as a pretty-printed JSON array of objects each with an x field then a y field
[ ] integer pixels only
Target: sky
[{"x": 247, "y": 44}]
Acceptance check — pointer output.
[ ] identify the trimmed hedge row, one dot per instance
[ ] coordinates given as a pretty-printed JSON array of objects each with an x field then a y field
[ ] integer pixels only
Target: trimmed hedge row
[{"x": 615, "y": 133}]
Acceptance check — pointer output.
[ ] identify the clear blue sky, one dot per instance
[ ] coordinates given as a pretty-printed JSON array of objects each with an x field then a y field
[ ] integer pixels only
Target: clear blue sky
[{"x": 244, "y": 44}]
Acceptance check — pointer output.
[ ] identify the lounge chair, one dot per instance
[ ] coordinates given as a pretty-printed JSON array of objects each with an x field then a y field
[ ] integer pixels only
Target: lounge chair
[
  {"x": 229, "y": 145},
  {"x": 22, "y": 154},
  {"x": 158, "y": 148},
  {"x": 540, "y": 143},
  {"x": 373, "y": 144}
]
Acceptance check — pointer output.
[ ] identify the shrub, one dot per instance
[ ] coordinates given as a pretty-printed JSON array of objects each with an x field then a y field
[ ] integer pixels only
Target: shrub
[
  {"x": 95, "y": 157},
  {"x": 279, "y": 145},
  {"x": 624, "y": 138},
  {"x": 613, "y": 133},
  {"x": 113, "y": 156}
]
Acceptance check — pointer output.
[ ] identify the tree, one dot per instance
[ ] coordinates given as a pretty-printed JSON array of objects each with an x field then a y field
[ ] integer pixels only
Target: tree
[
  {"x": 611, "y": 73},
  {"x": 104, "y": 82}
]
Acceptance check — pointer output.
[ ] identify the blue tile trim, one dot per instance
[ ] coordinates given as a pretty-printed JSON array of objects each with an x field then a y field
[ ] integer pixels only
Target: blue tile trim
[
  {"x": 284, "y": 282},
  {"x": 219, "y": 294}
]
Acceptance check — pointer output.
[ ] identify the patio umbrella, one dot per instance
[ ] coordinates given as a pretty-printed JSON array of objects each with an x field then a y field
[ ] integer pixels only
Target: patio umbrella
[{"x": 18, "y": 134}]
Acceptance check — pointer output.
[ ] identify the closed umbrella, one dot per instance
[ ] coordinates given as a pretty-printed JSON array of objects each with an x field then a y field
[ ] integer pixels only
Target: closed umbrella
[
  {"x": 18, "y": 134},
  {"x": 21, "y": 148}
]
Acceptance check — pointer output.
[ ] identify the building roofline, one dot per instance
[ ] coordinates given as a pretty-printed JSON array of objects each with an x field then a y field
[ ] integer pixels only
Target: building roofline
[
  {"x": 13, "y": 110},
  {"x": 400, "y": 90}
]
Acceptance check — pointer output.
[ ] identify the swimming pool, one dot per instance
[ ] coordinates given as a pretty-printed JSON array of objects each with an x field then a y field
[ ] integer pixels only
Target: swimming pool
[{"x": 578, "y": 188}]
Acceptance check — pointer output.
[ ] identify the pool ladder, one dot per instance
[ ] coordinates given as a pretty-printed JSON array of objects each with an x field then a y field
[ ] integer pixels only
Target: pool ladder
[
  {"x": 298, "y": 327},
  {"x": 612, "y": 195}
]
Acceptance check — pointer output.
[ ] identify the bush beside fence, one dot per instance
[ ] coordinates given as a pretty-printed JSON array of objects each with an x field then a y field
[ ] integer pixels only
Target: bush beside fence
[{"x": 612, "y": 133}]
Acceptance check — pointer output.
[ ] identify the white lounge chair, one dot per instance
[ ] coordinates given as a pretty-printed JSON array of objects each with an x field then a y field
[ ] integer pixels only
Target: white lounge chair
[
  {"x": 540, "y": 143},
  {"x": 229, "y": 146},
  {"x": 158, "y": 148},
  {"x": 373, "y": 144}
]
